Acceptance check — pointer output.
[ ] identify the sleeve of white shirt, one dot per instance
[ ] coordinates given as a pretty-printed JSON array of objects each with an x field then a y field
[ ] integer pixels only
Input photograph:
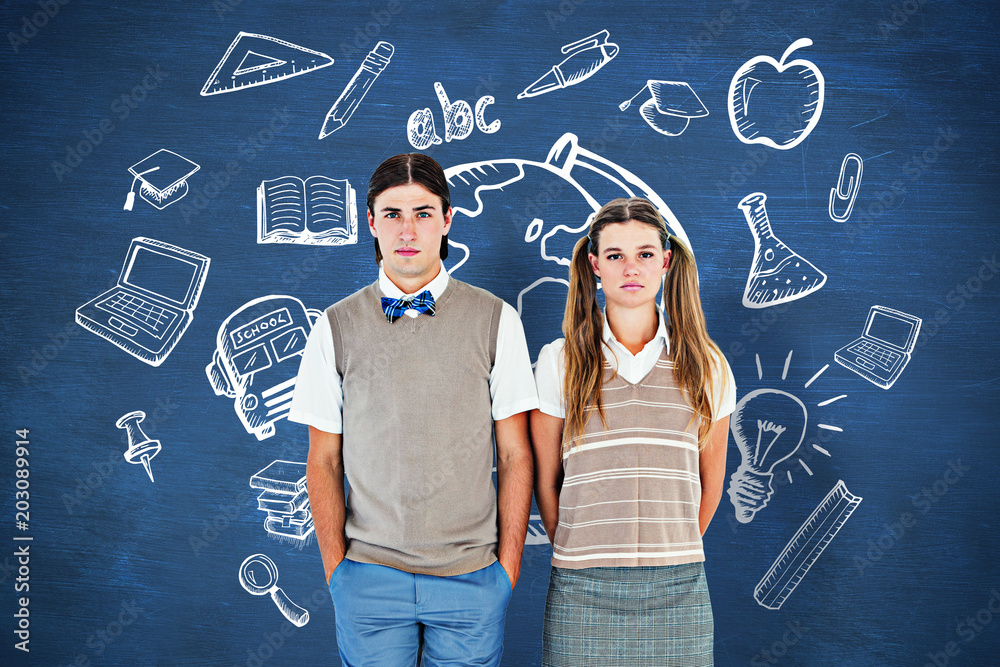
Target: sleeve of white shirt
[
  {"x": 512, "y": 388},
  {"x": 549, "y": 379},
  {"x": 318, "y": 398},
  {"x": 723, "y": 388}
]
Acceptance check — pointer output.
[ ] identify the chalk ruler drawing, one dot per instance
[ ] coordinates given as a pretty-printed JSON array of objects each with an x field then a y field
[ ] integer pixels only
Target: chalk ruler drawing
[
  {"x": 763, "y": 444},
  {"x": 805, "y": 546},
  {"x": 584, "y": 58},
  {"x": 851, "y": 168},
  {"x": 458, "y": 120},
  {"x": 883, "y": 350},
  {"x": 285, "y": 500},
  {"x": 259, "y": 576},
  {"x": 141, "y": 448},
  {"x": 787, "y": 99},
  {"x": 777, "y": 274},
  {"x": 672, "y": 106},
  {"x": 595, "y": 178},
  {"x": 315, "y": 211},
  {"x": 349, "y": 100},
  {"x": 256, "y": 359},
  {"x": 163, "y": 176},
  {"x": 255, "y": 60},
  {"x": 153, "y": 303}
]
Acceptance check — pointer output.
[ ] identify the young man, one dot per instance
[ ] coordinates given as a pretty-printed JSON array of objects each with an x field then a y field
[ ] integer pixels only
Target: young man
[{"x": 403, "y": 385}]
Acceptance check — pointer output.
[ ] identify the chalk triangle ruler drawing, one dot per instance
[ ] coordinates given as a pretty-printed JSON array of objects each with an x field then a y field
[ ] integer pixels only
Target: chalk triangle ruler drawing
[{"x": 254, "y": 60}]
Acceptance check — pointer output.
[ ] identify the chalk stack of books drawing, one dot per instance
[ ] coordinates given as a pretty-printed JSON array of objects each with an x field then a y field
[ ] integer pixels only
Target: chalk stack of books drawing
[{"x": 285, "y": 500}]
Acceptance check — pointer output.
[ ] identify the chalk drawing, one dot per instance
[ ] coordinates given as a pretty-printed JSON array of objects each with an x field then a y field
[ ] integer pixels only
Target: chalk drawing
[
  {"x": 314, "y": 211},
  {"x": 256, "y": 60},
  {"x": 256, "y": 359},
  {"x": 851, "y": 168},
  {"x": 163, "y": 176},
  {"x": 356, "y": 89},
  {"x": 141, "y": 448},
  {"x": 153, "y": 303},
  {"x": 458, "y": 120},
  {"x": 259, "y": 576},
  {"x": 285, "y": 500},
  {"x": 584, "y": 58},
  {"x": 420, "y": 129},
  {"x": 481, "y": 105},
  {"x": 672, "y": 106},
  {"x": 777, "y": 274},
  {"x": 787, "y": 99},
  {"x": 883, "y": 350},
  {"x": 536, "y": 535},
  {"x": 805, "y": 546}
]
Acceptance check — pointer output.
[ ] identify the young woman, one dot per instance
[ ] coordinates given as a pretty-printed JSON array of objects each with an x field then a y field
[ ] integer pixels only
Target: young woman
[{"x": 630, "y": 451}]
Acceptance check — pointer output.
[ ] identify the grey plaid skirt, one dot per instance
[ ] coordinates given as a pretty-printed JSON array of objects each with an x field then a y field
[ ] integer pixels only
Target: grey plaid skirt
[{"x": 628, "y": 617}]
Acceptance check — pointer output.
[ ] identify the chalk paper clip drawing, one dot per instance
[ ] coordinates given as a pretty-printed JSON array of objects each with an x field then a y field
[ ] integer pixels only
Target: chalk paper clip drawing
[
  {"x": 883, "y": 350},
  {"x": 150, "y": 308},
  {"x": 259, "y": 576},
  {"x": 768, "y": 426},
  {"x": 163, "y": 176},
  {"x": 356, "y": 89},
  {"x": 315, "y": 211},
  {"x": 846, "y": 192},
  {"x": 583, "y": 58},
  {"x": 141, "y": 448},
  {"x": 778, "y": 274},
  {"x": 776, "y": 103},
  {"x": 805, "y": 546},
  {"x": 255, "y": 60},
  {"x": 672, "y": 106},
  {"x": 285, "y": 500},
  {"x": 256, "y": 359}
]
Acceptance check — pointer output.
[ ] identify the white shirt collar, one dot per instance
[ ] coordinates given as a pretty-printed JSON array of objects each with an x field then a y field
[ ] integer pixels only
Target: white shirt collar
[
  {"x": 661, "y": 332},
  {"x": 437, "y": 286}
]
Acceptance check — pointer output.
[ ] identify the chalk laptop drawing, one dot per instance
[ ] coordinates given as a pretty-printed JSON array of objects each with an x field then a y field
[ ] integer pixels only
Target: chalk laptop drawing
[
  {"x": 883, "y": 350},
  {"x": 150, "y": 308}
]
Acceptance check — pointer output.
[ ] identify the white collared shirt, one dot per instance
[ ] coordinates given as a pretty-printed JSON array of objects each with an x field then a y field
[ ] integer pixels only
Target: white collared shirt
[
  {"x": 551, "y": 367},
  {"x": 318, "y": 398}
]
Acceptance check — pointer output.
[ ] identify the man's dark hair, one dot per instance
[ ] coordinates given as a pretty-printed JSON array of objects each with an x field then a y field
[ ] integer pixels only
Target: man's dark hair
[{"x": 404, "y": 169}]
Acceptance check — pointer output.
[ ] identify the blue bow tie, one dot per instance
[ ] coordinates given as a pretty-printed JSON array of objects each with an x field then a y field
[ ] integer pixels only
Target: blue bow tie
[{"x": 394, "y": 308}]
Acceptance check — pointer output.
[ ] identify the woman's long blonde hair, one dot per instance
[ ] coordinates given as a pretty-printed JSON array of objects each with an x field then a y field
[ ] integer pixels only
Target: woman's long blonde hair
[{"x": 690, "y": 346}]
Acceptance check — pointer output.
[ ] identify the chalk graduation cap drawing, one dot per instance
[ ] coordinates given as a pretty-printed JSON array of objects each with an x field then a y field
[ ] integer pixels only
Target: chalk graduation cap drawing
[
  {"x": 163, "y": 176},
  {"x": 672, "y": 106},
  {"x": 254, "y": 60}
]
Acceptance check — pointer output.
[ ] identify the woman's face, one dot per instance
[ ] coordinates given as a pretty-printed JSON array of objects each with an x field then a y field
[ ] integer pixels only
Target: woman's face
[{"x": 630, "y": 264}]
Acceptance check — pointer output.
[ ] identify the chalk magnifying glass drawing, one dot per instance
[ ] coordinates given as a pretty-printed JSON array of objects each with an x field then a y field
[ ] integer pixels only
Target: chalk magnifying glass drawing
[{"x": 259, "y": 576}]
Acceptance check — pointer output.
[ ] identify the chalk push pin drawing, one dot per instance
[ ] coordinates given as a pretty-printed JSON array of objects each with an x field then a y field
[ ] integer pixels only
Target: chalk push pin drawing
[
  {"x": 672, "y": 106},
  {"x": 141, "y": 448},
  {"x": 259, "y": 576}
]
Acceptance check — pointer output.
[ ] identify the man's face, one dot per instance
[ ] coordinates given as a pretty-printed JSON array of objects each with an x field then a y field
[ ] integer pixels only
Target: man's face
[{"x": 408, "y": 222}]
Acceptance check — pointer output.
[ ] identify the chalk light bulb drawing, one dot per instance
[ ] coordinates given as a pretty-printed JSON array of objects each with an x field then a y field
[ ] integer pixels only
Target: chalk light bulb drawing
[{"x": 768, "y": 426}]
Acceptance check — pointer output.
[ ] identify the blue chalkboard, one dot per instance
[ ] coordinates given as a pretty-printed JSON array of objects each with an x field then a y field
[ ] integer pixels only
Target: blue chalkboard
[{"x": 834, "y": 168}]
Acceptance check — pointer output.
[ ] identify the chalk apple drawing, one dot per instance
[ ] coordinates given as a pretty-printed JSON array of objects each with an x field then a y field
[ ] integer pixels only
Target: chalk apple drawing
[{"x": 787, "y": 99}]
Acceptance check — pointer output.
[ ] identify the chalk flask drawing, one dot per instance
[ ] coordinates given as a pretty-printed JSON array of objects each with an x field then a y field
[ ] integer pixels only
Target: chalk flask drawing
[{"x": 778, "y": 274}]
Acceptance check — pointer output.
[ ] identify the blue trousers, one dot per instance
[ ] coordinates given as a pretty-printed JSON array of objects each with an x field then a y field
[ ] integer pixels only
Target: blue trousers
[{"x": 384, "y": 614}]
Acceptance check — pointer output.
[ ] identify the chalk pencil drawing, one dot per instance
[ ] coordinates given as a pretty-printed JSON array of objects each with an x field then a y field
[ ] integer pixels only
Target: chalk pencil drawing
[
  {"x": 584, "y": 58},
  {"x": 776, "y": 103},
  {"x": 778, "y": 274},
  {"x": 852, "y": 169},
  {"x": 420, "y": 130},
  {"x": 153, "y": 302},
  {"x": 670, "y": 108},
  {"x": 255, "y": 60},
  {"x": 883, "y": 350},
  {"x": 768, "y": 426},
  {"x": 314, "y": 211},
  {"x": 163, "y": 176},
  {"x": 256, "y": 359},
  {"x": 141, "y": 448},
  {"x": 259, "y": 576},
  {"x": 285, "y": 500},
  {"x": 805, "y": 546},
  {"x": 345, "y": 106}
]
